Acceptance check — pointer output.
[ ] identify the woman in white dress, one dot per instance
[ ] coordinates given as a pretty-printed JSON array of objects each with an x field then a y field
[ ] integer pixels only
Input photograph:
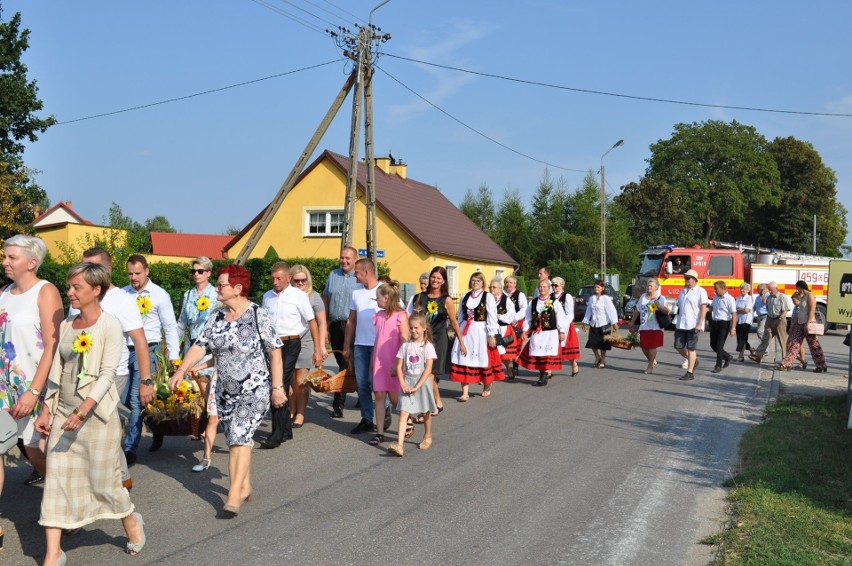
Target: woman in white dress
[
  {"x": 545, "y": 323},
  {"x": 474, "y": 358}
]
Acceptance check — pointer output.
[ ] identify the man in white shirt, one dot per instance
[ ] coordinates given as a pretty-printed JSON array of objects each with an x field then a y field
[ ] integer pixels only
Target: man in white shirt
[
  {"x": 360, "y": 339},
  {"x": 294, "y": 317},
  {"x": 158, "y": 316},
  {"x": 120, "y": 305},
  {"x": 724, "y": 309},
  {"x": 691, "y": 312}
]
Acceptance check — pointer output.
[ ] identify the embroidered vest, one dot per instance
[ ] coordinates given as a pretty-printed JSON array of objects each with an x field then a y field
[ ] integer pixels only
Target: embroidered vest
[
  {"x": 480, "y": 313},
  {"x": 515, "y": 298},
  {"x": 546, "y": 319}
]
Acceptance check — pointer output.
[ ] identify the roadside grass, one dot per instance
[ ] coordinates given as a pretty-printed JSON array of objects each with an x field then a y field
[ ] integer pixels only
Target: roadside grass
[{"x": 791, "y": 502}]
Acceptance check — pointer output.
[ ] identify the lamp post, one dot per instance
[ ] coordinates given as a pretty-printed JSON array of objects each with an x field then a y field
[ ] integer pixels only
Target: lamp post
[{"x": 619, "y": 143}]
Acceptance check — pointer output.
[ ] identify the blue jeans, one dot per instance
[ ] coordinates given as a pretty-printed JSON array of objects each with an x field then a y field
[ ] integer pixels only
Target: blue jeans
[
  {"x": 130, "y": 399},
  {"x": 364, "y": 377}
]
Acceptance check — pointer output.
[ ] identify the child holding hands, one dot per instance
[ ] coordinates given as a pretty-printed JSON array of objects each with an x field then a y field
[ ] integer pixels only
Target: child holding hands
[{"x": 414, "y": 370}]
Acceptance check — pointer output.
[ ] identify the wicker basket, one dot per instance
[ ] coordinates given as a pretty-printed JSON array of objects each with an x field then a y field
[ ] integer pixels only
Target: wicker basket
[
  {"x": 191, "y": 426},
  {"x": 621, "y": 344},
  {"x": 323, "y": 382}
]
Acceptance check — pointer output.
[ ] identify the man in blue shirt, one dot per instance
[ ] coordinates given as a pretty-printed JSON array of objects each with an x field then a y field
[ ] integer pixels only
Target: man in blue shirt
[{"x": 337, "y": 296}]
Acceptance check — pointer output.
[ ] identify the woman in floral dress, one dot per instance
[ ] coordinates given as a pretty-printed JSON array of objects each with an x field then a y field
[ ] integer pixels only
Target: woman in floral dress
[
  {"x": 240, "y": 335},
  {"x": 197, "y": 304}
]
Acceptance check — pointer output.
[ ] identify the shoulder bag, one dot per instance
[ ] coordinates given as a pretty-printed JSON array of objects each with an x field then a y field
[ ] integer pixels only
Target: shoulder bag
[
  {"x": 8, "y": 432},
  {"x": 663, "y": 320}
]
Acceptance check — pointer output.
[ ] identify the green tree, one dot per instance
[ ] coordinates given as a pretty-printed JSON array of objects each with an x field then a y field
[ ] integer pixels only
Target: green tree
[
  {"x": 512, "y": 230},
  {"x": 658, "y": 214},
  {"x": 724, "y": 171},
  {"x": 582, "y": 221},
  {"x": 159, "y": 224},
  {"x": 810, "y": 189},
  {"x": 479, "y": 208},
  {"x": 547, "y": 212},
  {"x": 18, "y": 123}
]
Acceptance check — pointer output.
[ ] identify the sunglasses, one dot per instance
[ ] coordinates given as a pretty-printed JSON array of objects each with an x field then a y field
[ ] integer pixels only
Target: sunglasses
[
  {"x": 300, "y": 281},
  {"x": 198, "y": 271}
]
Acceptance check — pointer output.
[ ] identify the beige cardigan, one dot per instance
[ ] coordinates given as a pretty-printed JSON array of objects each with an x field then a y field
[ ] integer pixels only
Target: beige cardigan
[{"x": 102, "y": 361}]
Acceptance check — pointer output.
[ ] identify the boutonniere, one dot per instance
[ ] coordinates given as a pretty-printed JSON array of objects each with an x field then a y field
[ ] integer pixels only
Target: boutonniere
[
  {"x": 81, "y": 346},
  {"x": 432, "y": 309},
  {"x": 202, "y": 304},
  {"x": 144, "y": 304},
  {"x": 653, "y": 307},
  {"x": 548, "y": 304}
]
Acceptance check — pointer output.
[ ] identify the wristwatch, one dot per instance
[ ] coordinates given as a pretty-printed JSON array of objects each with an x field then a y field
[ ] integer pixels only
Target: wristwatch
[{"x": 147, "y": 381}]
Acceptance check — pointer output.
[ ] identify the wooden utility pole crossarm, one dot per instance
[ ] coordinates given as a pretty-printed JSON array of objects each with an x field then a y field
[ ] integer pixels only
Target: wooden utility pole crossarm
[{"x": 273, "y": 207}]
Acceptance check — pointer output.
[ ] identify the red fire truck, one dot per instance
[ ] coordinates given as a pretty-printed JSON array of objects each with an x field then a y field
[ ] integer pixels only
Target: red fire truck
[{"x": 734, "y": 263}]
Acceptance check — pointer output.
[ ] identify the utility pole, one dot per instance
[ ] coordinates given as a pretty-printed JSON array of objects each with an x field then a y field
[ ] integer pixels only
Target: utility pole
[
  {"x": 363, "y": 44},
  {"x": 619, "y": 143}
]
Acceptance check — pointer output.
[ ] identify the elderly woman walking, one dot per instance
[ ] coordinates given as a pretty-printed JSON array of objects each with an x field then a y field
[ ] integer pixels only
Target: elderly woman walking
[
  {"x": 644, "y": 320},
  {"x": 240, "y": 335}
]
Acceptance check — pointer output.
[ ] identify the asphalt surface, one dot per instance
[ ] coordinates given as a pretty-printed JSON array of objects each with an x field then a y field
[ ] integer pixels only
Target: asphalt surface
[{"x": 611, "y": 466}]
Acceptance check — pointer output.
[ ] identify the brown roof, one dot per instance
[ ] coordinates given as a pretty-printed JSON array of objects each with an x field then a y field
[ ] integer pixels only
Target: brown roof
[
  {"x": 189, "y": 245},
  {"x": 425, "y": 214},
  {"x": 66, "y": 205}
]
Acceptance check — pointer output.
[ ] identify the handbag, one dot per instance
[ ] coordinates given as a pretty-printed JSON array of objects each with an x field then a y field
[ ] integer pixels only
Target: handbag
[
  {"x": 816, "y": 328},
  {"x": 606, "y": 328},
  {"x": 505, "y": 340},
  {"x": 8, "y": 432},
  {"x": 663, "y": 320}
]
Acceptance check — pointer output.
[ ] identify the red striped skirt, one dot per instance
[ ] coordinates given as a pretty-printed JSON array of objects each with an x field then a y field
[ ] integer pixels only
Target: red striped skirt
[
  {"x": 571, "y": 348},
  {"x": 539, "y": 363},
  {"x": 513, "y": 349},
  {"x": 492, "y": 372}
]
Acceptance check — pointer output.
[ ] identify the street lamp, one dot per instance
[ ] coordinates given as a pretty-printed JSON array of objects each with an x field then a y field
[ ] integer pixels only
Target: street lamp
[{"x": 619, "y": 143}]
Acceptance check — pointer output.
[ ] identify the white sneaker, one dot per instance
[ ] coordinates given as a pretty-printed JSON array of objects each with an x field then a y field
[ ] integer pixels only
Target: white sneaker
[{"x": 685, "y": 364}]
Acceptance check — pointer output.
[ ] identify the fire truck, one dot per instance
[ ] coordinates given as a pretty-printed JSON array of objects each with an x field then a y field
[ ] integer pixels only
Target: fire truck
[{"x": 734, "y": 263}]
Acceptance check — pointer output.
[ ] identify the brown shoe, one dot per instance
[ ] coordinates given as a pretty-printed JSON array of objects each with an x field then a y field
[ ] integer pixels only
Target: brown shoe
[
  {"x": 754, "y": 358},
  {"x": 127, "y": 484}
]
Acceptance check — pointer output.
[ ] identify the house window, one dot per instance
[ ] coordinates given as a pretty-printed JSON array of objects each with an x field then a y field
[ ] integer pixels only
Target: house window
[
  {"x": 324, "y": 223},
  {"x": 498, "y": 274},
  {"x": 453, "y": 280}
]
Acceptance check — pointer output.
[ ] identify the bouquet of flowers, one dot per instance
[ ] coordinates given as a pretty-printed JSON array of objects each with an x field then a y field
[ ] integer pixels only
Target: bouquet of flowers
[{"x": 176, "y": 412}]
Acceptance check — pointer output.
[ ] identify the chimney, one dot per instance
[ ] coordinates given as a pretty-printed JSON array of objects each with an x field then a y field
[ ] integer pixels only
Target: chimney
[
  {"x": 383, "y": 163},
  {"x": 392, "y": 166},
  {"x": 400, "y": 169}
]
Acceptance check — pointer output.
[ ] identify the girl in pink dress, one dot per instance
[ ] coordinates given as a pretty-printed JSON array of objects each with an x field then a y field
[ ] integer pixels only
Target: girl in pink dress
[{"x": 391, "y": 332}]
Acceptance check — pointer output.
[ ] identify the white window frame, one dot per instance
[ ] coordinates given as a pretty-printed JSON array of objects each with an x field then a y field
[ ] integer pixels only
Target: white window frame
[
  {"x": 452, "y": 279},
  {"x": 306, "y": 224}
]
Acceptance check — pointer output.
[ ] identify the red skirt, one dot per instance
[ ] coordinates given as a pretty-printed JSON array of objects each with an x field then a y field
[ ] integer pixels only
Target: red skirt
[
  {"x": 513, "y": 349},
  {"x": 539, "y": 363},
  {"x": 492, "y": 372},
  {"x": 651, "y": 339},
  {"x": 571, "y": 348}
]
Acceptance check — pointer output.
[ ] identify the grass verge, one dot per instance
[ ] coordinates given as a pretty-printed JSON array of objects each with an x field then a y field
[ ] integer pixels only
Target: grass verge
[{"x": 791, "y": 503}]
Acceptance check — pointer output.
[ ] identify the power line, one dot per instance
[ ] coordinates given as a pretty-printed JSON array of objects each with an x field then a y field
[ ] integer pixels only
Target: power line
[
  {"x": 474, "y": 130},
  {"x": 329, "y": 12},
  {"x": 211, "y": 91},
  {"x": 344, "y": 11},
  {"x": 288, "y": 15},
  {"x": 618, "y": 95},
  {"x": 333, "y": 24}
]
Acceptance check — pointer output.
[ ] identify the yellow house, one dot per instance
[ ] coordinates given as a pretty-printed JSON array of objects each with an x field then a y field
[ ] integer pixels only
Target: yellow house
[
  {"x": 67, "y": 234},
  {"x": 417, "y": 228}
]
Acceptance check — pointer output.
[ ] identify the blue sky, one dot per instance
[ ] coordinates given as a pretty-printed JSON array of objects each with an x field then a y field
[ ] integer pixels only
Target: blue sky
[{"x": 216, "y": 160}]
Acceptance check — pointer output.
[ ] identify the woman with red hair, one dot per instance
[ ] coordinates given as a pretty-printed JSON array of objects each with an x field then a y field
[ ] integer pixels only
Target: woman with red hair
[{"x": 240, "y": 336}]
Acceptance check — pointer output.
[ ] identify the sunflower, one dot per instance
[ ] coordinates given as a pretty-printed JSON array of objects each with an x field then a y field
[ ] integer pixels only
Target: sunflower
[
  {"x": 144, "y": 304},
  {"x": 653, "y": 307},
  {"x": 202, "y": 304},
  {"x": 432, "y": 308},
  {"x": 83, "y": 343}
]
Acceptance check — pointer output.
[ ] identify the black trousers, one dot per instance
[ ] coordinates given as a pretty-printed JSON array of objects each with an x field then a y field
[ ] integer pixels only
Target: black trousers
[
  {"x": 742, "y": 337},
  {"x": 719, "y": 330},
  {"x": 282, "y": 427},
  {"x": 337, "y": 337}
]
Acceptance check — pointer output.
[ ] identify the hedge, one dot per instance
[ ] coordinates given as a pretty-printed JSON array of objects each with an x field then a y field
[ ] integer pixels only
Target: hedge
[{"x": 175, "y": 278}]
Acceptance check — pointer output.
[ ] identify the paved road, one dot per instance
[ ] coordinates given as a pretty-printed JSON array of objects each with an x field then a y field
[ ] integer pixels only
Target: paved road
[{"x": 609, "y": 467}]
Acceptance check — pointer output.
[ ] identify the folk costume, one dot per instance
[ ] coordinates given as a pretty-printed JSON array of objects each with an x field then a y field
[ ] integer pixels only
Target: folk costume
[
  {"x": 478, "y": 320},
  {"x": 544, "y": 321},
  {"x": 505, "y": 319},
  {"x": 571, "y": 345}
]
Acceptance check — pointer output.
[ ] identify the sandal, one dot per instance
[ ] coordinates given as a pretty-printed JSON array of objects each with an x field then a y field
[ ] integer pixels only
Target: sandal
[
  {"x": 462, "y": 399},
  {"x": 486, "y": 393},
  {"x": 409, "y": 431},
  {"x": 205, "y": 463},
  {"x": 438, "y": 412},
  {"x": 376, "y": 440},
  {"x": 395, "y": 449},
  {"x": 427, "y": 442},
  {"x": 420, "y": 419}
]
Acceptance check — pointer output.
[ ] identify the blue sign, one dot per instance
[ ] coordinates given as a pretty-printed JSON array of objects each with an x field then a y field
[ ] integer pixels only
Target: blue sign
[{"x": 362, "y": 252}]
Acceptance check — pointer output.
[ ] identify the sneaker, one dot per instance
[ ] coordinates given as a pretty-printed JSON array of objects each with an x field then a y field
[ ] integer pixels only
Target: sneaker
[
  {"x": 364, "y": 426},
  {"x": 685, "y": 364},
  {"x": 688, "y": 376}
]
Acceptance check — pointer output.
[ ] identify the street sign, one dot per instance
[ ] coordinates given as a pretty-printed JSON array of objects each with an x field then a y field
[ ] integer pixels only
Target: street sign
[
  {"x": 840, "y": 291},
  {"x": 362, "y": 252}
]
